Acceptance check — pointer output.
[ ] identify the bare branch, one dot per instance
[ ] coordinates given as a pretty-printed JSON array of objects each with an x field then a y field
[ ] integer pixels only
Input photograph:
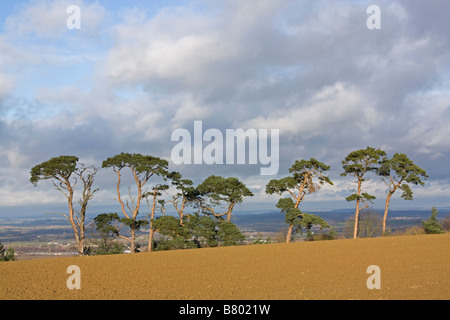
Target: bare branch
[{"x": 57, "y": 213}]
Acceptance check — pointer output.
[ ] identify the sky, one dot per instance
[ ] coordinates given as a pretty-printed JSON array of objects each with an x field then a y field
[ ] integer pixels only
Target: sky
[{"x": 136, "y": 71}]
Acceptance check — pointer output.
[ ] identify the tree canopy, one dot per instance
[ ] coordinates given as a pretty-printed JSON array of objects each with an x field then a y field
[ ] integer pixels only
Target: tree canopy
[
  {"x": 142, "y": 167},
  {"x": 302, "y": 181},
  {"x": 219, "y": 189},
  {"x": 64, "y": 173},
  {"x": 397, "y": 173},
  {"x": 358, "y": 164},
  {"x": 59, "y": 168}
]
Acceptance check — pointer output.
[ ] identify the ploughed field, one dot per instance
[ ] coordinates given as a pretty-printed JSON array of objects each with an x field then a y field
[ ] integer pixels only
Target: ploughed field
[{"x": 411, "y": 267}]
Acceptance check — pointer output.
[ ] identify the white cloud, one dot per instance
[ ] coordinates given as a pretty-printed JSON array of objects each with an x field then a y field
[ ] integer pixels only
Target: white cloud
[
  {"x": 189, "y": 111},
  {"x": 162, "y": 53},
  {"x": 329, "y": 110}
]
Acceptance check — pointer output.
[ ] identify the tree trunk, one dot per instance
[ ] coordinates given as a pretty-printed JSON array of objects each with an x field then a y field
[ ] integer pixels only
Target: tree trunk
[
  {"x": 181, "y": 212},
  {"x": 82, "y": 233},
  {"x": 150, "y": 235},
  {"x": 72, "y": 219},
  {"x": 152, "y": 216},
  {"x": 355, "y": 229},
  {"x": 230, "y": 211},
  {"x": 133, "y": 237},
  {"x": 80, "y": 247},
  {"x": 289, "y": 234},
  {"x": 150, "y": 238},
  {"x": 386, "y": 208}
]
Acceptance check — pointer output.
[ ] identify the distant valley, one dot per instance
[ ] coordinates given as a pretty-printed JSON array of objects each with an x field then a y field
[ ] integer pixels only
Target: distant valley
[{"x": 55, "y": 228}]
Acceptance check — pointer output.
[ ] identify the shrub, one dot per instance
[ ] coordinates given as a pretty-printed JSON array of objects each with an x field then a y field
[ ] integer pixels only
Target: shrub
[
  {"x": 6, "y": 255},
  {"x": 107, "y": 233},
  {"x": 106, "y": 247},
  {"x": 228, "y": 234},
  {"x": 330, "y": 235},
  {"x": 432, "y": 225},
  {"x": 196, "y": 232}
]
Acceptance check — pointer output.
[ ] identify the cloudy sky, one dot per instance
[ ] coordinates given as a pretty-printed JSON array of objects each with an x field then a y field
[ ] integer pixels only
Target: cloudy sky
[{"x": 137, "y": 70}]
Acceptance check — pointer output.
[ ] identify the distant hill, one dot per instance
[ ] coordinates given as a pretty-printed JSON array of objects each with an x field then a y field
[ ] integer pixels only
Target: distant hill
[
  {"x": 273, "y": 221},
  {"x": 51, "y": 227}
]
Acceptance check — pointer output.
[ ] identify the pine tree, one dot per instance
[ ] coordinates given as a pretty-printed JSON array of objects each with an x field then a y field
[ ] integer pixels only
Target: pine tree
[{"x": 432, "y": 225}]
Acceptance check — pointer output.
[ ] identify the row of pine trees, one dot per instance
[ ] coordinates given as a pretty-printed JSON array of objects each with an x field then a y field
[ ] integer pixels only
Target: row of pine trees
[{"x": 212, "y": 201}]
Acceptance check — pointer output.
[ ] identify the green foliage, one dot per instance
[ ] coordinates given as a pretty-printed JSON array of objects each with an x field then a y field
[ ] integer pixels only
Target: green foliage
[
  {"x": 228, "y": 234},
  {"x": 170, "y": 226},
  {"x": 401, "y": 171},
  {"x": 195, "y": 232},
  {"x": 280, "y": 186},
  {"x": 156, "y": 191},
  {"x": 294, "y": 217},
  {"x": 106, "y": 226},
  {"x": 185, "y": 186},
  {"x": 432, "y": 225},
  {"x": 218, "y": 189},
  {"x": 143, "y": 165},
  {"x": 173, "y": 244},
  {"x": 6, "y": 255},
  {"x": 108, "y": 247},
  {"x": 302, "y": 173},
  {"x": 358, "y": 162},
  {"x": 59, "y": 170},
  {"x": 133, "y": 223},
  {"x": 292, "y": 214},
  {"x": 187, "y": 194},
  {"x": 310, "y": 167},
  {"x": 56, "y": 168},
  {"x": 175, "y": 235},
  {"x": 365, "y": 197},
  {"x": 103, "y": 224},
  {"x": 310, "y": 220},
  {"x": 204, "y": 230},
  {"x": 331, "y": 234}
]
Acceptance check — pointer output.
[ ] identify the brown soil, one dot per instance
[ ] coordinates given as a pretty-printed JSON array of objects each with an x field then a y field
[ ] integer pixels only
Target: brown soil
[{"x": 412, "y": 267}]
